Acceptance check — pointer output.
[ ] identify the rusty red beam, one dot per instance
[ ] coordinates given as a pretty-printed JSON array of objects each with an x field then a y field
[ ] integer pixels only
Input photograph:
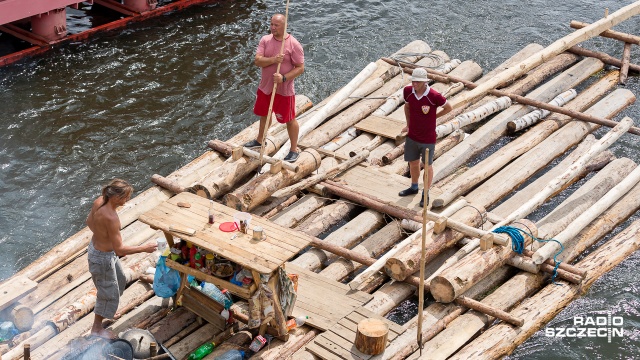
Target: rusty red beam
[{"x": 113, "y": 25}]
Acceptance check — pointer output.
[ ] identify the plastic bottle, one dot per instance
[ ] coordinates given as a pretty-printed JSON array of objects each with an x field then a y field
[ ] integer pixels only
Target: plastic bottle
[
  {"x": 213, "y": 292},
  {"x": 212, "y": 217},
  {"x": 231, "y": 355},
  {"x": 202, "y": 351},
  {"x": 8, "y": 330},
  {"x": 297, "y": 322}
]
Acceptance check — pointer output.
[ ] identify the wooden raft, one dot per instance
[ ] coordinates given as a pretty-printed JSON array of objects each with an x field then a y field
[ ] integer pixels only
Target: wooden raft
[
  {"x": 323, "y": 300},
  {"x": 383, "y": 186},
  {"x": 337, "y": 342}
]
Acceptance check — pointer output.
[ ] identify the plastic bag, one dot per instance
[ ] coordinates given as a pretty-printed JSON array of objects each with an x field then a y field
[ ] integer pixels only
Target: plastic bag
[{"x": 166, "y": 281}]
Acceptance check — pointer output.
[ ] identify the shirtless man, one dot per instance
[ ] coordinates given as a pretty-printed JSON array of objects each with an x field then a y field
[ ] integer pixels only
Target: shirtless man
[{"x": 105, "y": 247}]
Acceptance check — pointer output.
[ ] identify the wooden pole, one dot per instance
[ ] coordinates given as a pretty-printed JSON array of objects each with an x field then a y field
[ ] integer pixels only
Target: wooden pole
[
  {"x": 425, "y": 196},
  {"x": 626, "y": 58},
  {"x": 605, "y": 58},
  {"x": 611, "y": 34},
  {"x": 267, "y": 123}
]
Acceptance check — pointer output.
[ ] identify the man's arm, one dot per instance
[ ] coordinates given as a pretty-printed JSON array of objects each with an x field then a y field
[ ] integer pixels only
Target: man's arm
[
  {"x": 297, "y": 70},
  {"x": 264, "y": 61},
  {"x": 445, "y": 110},
  {"x": 120, "y": 249},
  {"x": 406, "y": 116}
]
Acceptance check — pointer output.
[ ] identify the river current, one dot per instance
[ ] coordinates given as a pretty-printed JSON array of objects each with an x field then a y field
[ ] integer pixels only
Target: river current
[{"x": 146, "y": 99}]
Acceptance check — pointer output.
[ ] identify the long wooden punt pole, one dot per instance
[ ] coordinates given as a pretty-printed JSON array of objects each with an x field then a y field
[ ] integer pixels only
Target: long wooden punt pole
[
  {"x": 556, "y": 48},
  {"x": 442, "y": 77},
  {"x": 267, "y": 123},
  {"x": 425, "y": 200}
]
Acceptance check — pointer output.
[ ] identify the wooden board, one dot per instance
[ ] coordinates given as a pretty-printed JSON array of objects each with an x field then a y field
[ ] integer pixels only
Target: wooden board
[
  {"x": 323, "y": 300},
  {"x": 204, "y": 306},
  {"x": 384, "y": 126},
  {"x": 265, "y": 256},
  {"x": 337, "y": 341},
  {"x": 18, "y": 287},
  {"x": 384, "y": 186}
]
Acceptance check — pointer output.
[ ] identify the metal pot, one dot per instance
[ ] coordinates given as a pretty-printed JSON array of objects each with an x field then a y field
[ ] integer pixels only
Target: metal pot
[
  {"x": 120, "y": 348},
  {"x": 140, "y": 341}
]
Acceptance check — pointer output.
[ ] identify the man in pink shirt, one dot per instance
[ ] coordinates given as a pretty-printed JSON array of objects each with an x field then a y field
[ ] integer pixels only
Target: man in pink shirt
[{"x": 291, "y": 62}]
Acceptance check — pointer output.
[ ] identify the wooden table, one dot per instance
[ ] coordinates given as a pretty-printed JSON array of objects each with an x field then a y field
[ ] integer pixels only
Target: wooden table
[{"x": 261, "y": 257}]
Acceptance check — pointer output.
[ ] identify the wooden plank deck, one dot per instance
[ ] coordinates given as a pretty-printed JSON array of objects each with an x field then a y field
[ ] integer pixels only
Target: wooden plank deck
[
  {"x": 383, "y": 186},
  {"x": 323, "y": 300},
  {"x": 384, "y": 126},
  {"x": 337, "y": 342}
]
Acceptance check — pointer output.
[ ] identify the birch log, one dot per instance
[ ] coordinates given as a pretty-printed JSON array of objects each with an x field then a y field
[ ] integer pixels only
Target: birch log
[
  {"x": 556, "y": 48},
  {"x": 319, "y": 117},
  {"x": 260, "y": 188},
  {"x": 502, "y": 339},
  {"x": 375, "y": 157},
  {"x": 341, "y": 139},
  {"x": 549, "y": 249},
  {"x": 534, "y": 116},
  {"x": 558, "y": 182},
  {"x": 474, "y": 116}
]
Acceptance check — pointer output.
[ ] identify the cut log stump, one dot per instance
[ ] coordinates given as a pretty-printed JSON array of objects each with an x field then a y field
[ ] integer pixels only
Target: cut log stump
[{"x": 371, "y": 336}]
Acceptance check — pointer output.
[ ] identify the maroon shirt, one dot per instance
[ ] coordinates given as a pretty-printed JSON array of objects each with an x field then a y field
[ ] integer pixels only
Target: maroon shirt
[{"x": 422, "y": 114}]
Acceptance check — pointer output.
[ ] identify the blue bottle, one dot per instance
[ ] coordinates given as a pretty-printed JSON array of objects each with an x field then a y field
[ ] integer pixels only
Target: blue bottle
[
  {"x": 213, "y": 292},
  {"x": 231, "y": 355}
]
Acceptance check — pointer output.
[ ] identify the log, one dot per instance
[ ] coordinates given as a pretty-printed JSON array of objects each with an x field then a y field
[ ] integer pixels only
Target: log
[
  {"x": 375, "y": 157},
  {"x": 611, "y": 34},
  {"x": 371, "y": 336},
  {"x": 536, "y": 158},
  {"x": 556, "y": 48},
  {"x": 172, "y": 324},
  {"x": 347, "y": 236},
  {"x": 253, "y": 193},
  {"x": 371, "y": 247},
  {"x": 319, "y": 117},
  {"x": 227, "y": 149},
  {"x": 166, "y": 183},
  {"x": 605, "y": 58},
  {"x": 502, "y": 339},
  {"x": 272, "y": 206},
  {"x": 485, "y": 309},
  {"x": 626, "y": 58},
  {"x": 374, "y": 143},
  {"x": 494, "y": 128},
  {"x": 298, "y": 211},
  {"x": 474, "y": 116},
  {"x": 549, "y": 249},
  {"x": 455, "y": 280},
  {"x": 359, "y": 142},
  {"x": 339, "y": 141},
  {"x": 559, "y": 181},
  {"x": 183, "y": 348},
  {"x": 534, "y": 116},
  {"x": 312, "y": 180},
  {"x": 325, "y": 217}
]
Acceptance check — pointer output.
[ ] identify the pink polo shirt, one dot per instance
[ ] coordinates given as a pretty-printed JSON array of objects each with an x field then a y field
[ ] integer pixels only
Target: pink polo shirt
[{"x": 293, "y": 54}]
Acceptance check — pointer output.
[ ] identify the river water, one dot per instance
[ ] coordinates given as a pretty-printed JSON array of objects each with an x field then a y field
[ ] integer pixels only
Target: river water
[{"x": 146, "y": 100}]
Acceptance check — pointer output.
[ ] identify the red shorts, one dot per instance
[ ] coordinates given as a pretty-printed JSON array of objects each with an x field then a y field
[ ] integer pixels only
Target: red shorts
[{"x": 284, "y": 107}]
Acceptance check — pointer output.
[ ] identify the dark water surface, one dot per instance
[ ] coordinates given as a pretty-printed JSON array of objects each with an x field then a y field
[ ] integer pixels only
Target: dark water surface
[{"x": 146, "y": 99}]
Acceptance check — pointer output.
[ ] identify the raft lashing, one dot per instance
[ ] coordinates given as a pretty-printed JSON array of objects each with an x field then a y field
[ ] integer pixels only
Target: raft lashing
[{"x": 350, "y": 172}]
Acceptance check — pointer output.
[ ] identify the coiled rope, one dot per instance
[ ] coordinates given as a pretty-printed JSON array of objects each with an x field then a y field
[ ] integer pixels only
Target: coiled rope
[{"x": 517, "y": 245}]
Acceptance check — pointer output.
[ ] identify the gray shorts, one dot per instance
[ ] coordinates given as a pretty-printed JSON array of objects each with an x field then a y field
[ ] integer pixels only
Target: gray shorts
[
  {"x": 108, "y": 277},
  {"x": 414, "y": 150}
]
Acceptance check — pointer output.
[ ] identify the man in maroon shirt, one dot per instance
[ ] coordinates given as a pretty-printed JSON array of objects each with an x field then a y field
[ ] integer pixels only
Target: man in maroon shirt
[{"x": 421, "y": 105}]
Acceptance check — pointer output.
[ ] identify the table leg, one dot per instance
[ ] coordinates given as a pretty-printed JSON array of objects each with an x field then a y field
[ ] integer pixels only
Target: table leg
[
  {"x": 169, "y": 238},
  {"x": 280, "y": 319},
  {"x": 183, "y": 283}
]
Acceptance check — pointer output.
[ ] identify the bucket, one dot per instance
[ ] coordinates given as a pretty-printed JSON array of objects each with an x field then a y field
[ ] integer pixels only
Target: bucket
[{"x": 242, "y": 220}]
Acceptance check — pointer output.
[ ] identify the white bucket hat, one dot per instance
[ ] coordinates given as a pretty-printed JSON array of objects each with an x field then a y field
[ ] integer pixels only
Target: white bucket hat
[{"x": 419, "y": 74}]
